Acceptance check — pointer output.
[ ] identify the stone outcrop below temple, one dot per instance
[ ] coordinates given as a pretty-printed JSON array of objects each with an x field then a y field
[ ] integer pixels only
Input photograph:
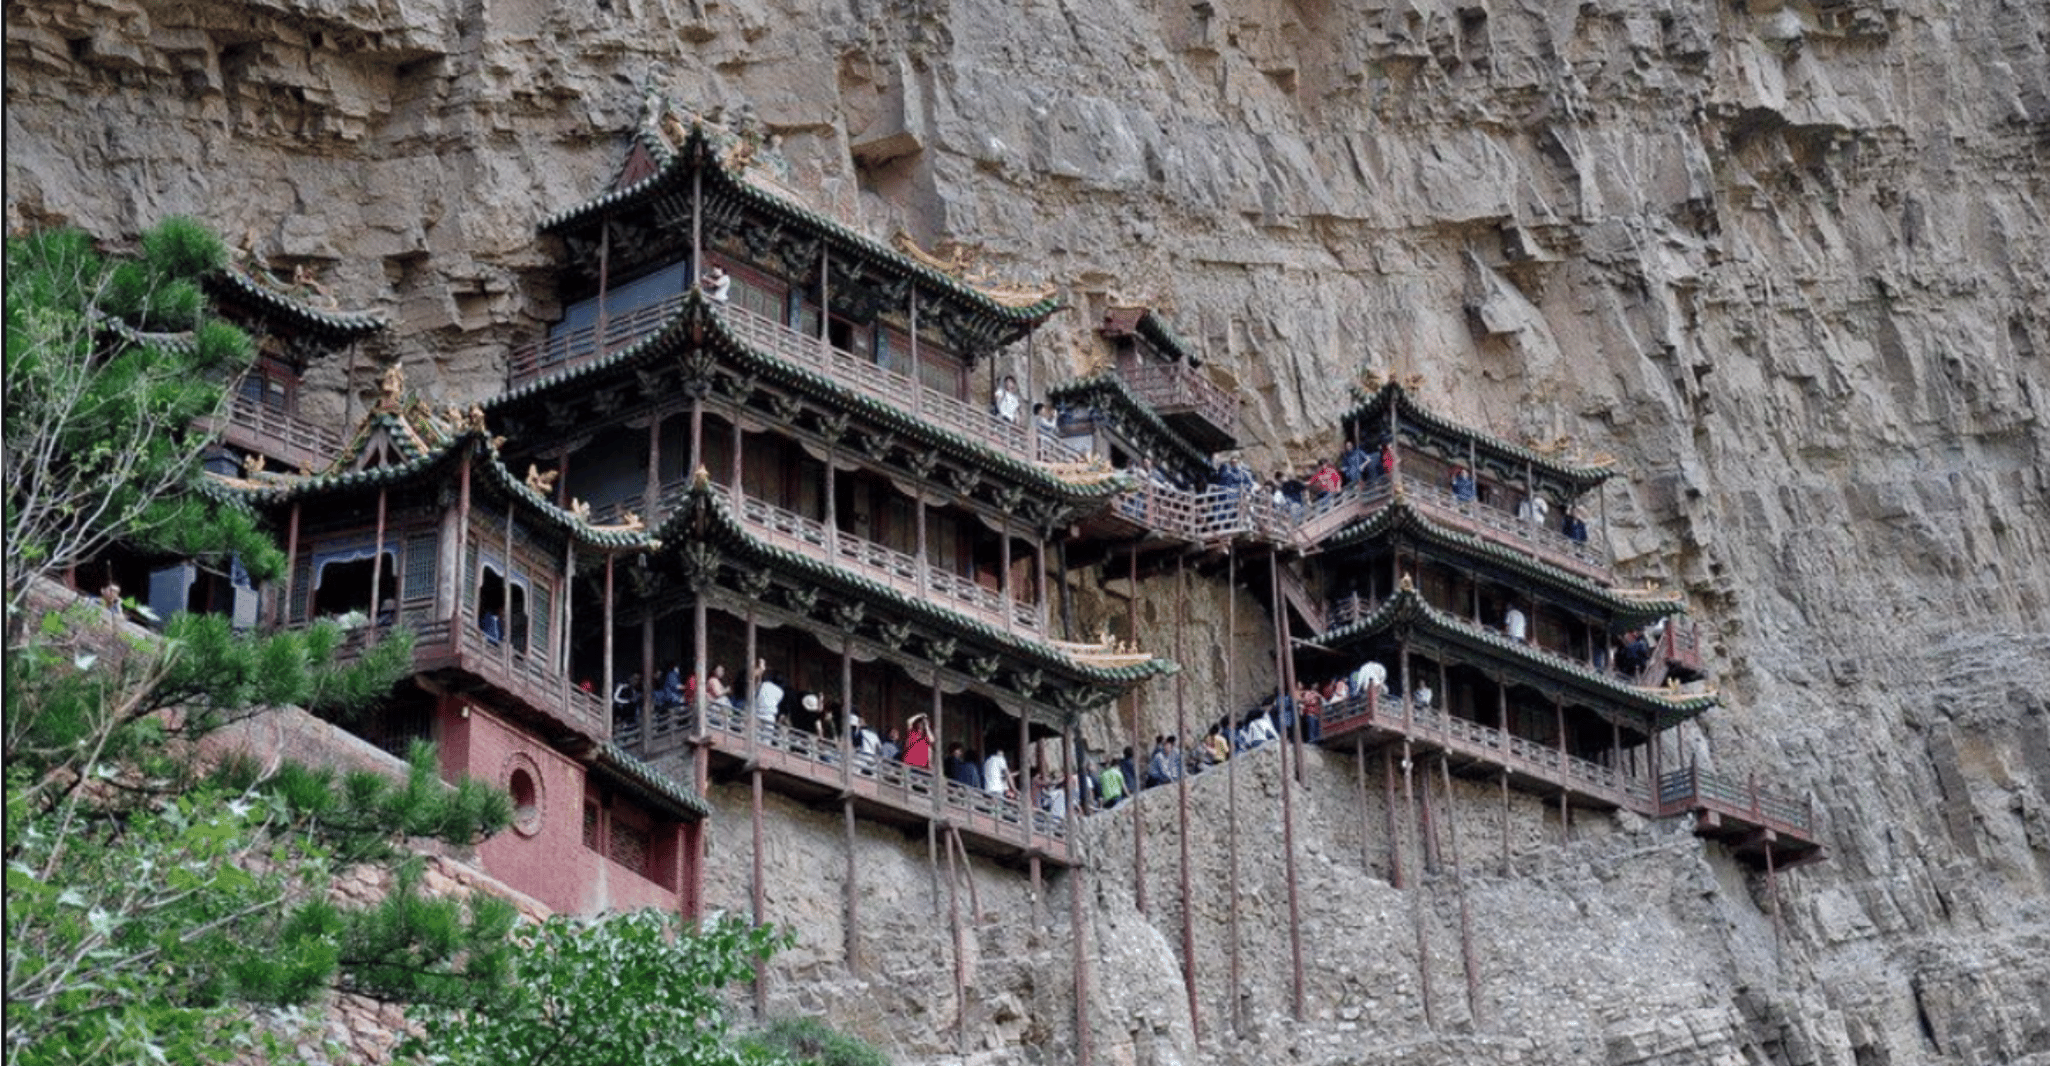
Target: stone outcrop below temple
[{"x": 1782, "y": 260}]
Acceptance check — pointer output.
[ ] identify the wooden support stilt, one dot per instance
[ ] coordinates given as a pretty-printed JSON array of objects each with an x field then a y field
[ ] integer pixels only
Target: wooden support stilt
[
  {"x": 1394, "y": 821},
  {"x": 377, "y": 574},
  {"x": 1295, "y": 925},
  {"x": 1467, "y": 956},
  {"x": 1505, "y": 823},
  {"x": 1038, "y": 894},
  {"x": 1181, "y": 710},
  {"x": 1077, "y": 927},
  {"x": 282, "y": 610},
  {"x": 960, "y": 949},
  {"x": 1416, "y": 900},
  {"x": 1359, "y": 759},
  {"x": 1231, "y": 782},
  {"x": 1139, "y": 756},
  {"x": 758, "y": 892},
  {"x": 611, "y": 705},
  {"x": 1434, "y": 859},
  {"x": 852, "y": 889}
]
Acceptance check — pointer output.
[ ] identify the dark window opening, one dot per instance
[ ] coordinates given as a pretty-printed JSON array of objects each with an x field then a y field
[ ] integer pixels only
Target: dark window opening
[
  {"x": 344, "y": 587},
  {"x": 491, "y": 607}
]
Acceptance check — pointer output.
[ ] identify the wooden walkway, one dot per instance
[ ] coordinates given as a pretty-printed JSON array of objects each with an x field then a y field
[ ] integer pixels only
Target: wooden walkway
[
  {"x": 1761, "y": 827},
  {"x": 817, "y": 771}
]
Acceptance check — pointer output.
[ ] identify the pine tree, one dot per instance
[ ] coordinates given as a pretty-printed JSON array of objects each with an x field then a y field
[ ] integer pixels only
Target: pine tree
[{"x": 156, "y": 904}]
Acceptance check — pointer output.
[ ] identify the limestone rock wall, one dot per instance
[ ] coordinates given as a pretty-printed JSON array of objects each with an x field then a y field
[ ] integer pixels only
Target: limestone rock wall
[{"x": 1785, "y": 259}]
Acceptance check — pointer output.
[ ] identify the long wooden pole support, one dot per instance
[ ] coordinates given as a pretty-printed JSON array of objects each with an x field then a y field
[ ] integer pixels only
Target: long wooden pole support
[
  {"x": 1138, "y": 747},
  {"x": 1394, "y": 820},
  {"x": 1466, "y": 951},
  {"x": 1231, "y": 777},
  {"x": 1181, "y": 710},
  {"x": 960, "y": 949},
  {"x": 1084, "y": 1053},
  {"x": 1416, "y": 899},
  {"x": 759, "y": 899},
  {"x": 1295, "y": 925},
  {"x": 377, "y": 571}
]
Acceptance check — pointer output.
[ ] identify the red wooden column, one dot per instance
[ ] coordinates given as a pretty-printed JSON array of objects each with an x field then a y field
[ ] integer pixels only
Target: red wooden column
[
  {"x": 651, "y": 492},
  {"x": 505, "y": 623}
]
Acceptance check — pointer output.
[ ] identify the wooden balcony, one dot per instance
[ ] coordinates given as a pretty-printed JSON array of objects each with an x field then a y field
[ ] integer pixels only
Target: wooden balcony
[
  {"x": 1221, "y": 513},
  {"x": 1345, "y": 610},
  {"x": 564, "y": 349},
  {"x": 278, "y": 435},
  {"x": 1589, "y": 558},
  {"x": 1531, "y": 766},
  {"x": 1759, "y": 825},
  {"x": 880, "y": 383},
  {"x": 900, "y": 571},
  {"x": 819, "y": 771},
  {"x": 1205, "y": 415},
  {"x": 522, "y": 685}
]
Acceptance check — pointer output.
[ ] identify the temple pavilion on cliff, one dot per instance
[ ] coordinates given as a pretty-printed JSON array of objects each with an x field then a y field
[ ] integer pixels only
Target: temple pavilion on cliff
[{"x": 762, "y": 457}]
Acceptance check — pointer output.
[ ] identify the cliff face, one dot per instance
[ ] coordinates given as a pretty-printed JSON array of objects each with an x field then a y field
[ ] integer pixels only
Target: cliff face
[{"x": 1786, "y": 261}]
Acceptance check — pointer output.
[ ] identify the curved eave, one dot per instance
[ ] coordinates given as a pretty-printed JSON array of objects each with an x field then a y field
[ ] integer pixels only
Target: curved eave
[
  {"x": 1398, "y": 516},
  {"x": 1155, "y": 328},
  {"x": 645, "y": 783},
  {"x": 1373, "y": 411},
  {"x": 341, "y": 325},
  {"x": 673, "y": 336},
  {"x": 723, "y": 529},
  {"x": 490, "y": 470},
  {"x": 1110, "y": 384},
  {"x": 672, "y": 173},
  {"x": 1406, "y": 610}
]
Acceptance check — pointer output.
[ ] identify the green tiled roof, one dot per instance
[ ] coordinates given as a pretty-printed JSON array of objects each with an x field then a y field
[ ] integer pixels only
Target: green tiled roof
[
  {"x": 340, "y": 324},
  {"x": 1407, "y": 610},
  {"x": 489, "y": 469},
  {"x": 724, "y": 529},
  {"x": 673, "y": 172},
  {"x": 1399, "y": 515},
  {"x": 649, "y": 784},
  {"x": 1373, "y": 412},
  {"x": 1110, "y": 386},
  {"x": 695, "y": 309}
]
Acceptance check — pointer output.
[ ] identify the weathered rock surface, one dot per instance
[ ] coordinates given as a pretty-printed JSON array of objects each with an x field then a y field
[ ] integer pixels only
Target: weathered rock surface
[{"x": 1786, "y": 260}]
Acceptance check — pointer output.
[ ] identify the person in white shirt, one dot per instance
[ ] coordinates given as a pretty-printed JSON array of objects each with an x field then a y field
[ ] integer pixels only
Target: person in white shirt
[
  {"x": 1514, "y": 624},
  {"x": 1423, "y": 695},
  {"x": 996, "y": 774},
  {"x": 768, "y": 694},
  {"x": 717, "y": 285},
  {"x": 1006, "y": 401}
]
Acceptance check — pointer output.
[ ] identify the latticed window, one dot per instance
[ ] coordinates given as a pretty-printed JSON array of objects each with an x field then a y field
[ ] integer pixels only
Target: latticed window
[
  {"x": 591, "y": 826},
  {"x": 630, "y": 847}
]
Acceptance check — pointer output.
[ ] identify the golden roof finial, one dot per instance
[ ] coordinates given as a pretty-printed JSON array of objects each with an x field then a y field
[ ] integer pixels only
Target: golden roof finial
[
  {"x": 542, "y": 483},
  {"x": 391, "y": 388}
]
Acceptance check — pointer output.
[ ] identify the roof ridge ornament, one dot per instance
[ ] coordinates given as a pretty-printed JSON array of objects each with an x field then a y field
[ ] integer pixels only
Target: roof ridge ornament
[{"x": 962, "y": 265}]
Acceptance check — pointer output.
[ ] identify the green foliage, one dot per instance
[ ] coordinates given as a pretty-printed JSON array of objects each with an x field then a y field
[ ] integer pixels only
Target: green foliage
[
  {"x": 154, "y": 903},
  {"x": 813, "y": 1042},
  {"x": 624, "y": 990},
  {"x": 112, "y": 371}
]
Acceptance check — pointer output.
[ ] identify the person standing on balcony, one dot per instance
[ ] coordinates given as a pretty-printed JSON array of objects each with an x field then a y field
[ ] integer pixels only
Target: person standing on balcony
[
  {"x": 768, "y": 695},
  {"x": 715, "y": 687},
  {"x": 1534, "y": 509},
  {"x": 1325, "y": 480},
  {"x": 996, "y": 774},
  {"x": 918, "y": 745},
  {"x": 1462, "y": 485},
  {"x": 1353, "y": 463},
  {"x": 717, "y": 285},
  {"x": 1514, "y": 624},
  {"x": 1049, "y": 421},
  {"x": 1571, "y": 525},
  {"x": 1005, "y": 404}
]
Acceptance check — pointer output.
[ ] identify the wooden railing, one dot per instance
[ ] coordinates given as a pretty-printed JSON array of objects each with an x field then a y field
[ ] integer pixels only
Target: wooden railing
[
  {"x": 1220, "y": 512},
  {"x": 260, "y": 428},
  {"x": 900, "y": 391},
  {"x": 1695, "y": 789},
  {"x": 816, "y": 758},
  {"x": 566, "y": 348},
  {"x": 1173, "y": 388},
  {"x": 1472, "y": 739},
  {"x": 525, "y": 677},
  {"x": 1589, "y": 557}
]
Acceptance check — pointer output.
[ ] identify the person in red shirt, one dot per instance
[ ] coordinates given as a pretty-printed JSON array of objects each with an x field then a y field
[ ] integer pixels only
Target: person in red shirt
[
  {"x": 918, "y": 745},
  {"x": 1326, "y": 480}
]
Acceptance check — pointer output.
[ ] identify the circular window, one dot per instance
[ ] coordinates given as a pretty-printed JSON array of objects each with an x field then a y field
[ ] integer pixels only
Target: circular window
[{"x": 526, "y": 797}]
